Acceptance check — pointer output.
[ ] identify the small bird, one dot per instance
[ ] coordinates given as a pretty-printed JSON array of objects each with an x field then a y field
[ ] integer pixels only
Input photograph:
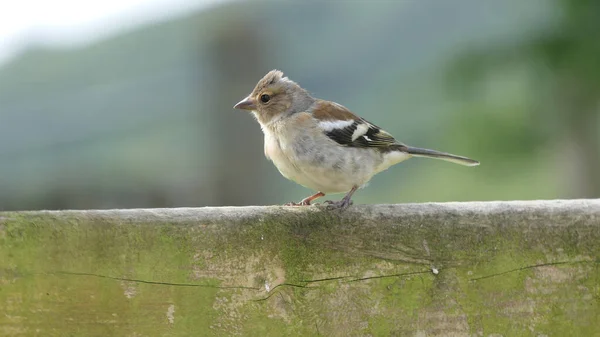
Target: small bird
[{"x": 322, "y": 145}]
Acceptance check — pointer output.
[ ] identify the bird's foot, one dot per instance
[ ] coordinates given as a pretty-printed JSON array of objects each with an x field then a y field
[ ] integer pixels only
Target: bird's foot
[
  {"x": 304, "y": 202},
  {"x": 342, "y": 204}
]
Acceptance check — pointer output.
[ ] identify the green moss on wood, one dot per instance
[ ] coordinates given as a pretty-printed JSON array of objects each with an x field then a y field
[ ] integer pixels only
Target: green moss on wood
[{"x": 367, "y": 272}]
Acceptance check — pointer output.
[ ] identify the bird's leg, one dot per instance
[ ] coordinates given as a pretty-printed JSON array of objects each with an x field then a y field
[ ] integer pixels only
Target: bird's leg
[
  {"x": 345, "y": 202},
  {"x": 306, "y": 201}
]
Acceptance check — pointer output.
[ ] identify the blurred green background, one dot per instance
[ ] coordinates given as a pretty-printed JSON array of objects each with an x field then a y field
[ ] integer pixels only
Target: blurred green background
[{"x": 143, "y": 117}]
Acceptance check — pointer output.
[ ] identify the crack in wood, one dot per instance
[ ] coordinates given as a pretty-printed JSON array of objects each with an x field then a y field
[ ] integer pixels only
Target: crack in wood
[
  {"x": 531, "y": 267},
  {"x": 325, "y": 279},
  {"x": 306, "y": 284},
  {"x": 150, "y": 282},
  {"x": 387, "y": 276}
]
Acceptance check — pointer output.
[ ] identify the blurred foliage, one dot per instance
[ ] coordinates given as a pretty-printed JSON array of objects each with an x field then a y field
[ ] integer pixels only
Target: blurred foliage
[
  {"x": 562, "y": 97},
  {"x": 144, "y": 118}
]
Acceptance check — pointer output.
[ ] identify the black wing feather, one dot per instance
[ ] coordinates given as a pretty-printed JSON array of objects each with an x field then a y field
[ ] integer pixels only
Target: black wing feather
[{"x": 373, "y": 137}]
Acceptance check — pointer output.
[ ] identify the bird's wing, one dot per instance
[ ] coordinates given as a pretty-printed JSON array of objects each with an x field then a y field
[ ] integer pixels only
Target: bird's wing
[{"x": 347, "y": 129}]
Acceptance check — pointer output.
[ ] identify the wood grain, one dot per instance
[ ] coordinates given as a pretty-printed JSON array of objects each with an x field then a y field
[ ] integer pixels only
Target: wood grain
[{"x": 522, "y": 268}]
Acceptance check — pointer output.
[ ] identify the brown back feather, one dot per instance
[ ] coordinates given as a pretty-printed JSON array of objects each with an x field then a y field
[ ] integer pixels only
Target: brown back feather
[{"x": 330, "y": 111}]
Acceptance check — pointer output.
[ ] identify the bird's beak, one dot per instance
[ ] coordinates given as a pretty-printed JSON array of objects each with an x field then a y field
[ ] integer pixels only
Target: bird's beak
[{"x": 246, "y": 104}]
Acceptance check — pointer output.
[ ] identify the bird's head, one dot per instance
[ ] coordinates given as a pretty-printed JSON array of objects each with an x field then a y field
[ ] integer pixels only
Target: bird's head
[{"x": 275, "y": 97}]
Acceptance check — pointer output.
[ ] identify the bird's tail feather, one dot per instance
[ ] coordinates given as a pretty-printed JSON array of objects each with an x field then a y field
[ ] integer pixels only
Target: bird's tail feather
[{"x": 418, "y": 152}]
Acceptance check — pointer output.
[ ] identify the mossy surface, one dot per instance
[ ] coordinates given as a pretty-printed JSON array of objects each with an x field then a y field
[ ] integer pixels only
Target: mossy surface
[{"x": 514, "y": 272}]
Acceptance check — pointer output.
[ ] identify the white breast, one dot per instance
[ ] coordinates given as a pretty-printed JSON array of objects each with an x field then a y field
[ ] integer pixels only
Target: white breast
[
  {"x": 313, "y": 165},
  {"x": 274, "y": 153},
  {"x": 306, "y": 156}
]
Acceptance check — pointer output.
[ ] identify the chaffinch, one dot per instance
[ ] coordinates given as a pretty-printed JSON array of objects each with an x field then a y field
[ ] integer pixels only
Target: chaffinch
[{"x": 322, "y": 145}]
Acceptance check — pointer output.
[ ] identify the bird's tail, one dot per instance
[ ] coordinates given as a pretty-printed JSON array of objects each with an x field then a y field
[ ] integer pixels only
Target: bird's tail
[{"x": 418, "y": 152}]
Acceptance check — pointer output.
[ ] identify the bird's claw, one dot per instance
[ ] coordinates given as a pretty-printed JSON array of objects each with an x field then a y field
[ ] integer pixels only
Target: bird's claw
[
  {"x": 301, "y": 203},
  {"x": 342, "y": 204}
]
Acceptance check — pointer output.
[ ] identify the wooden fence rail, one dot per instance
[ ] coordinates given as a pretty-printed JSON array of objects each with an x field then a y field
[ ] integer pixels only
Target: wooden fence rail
[{"x": 522, "y": 268}]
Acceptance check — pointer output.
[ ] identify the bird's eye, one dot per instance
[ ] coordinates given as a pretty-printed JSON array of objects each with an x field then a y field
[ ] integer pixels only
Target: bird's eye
[{"x": 265, "y": 98}]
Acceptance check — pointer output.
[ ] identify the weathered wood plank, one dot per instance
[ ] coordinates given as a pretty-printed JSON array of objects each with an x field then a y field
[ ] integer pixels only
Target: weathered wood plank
[{"x": 463, "y": 269}]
